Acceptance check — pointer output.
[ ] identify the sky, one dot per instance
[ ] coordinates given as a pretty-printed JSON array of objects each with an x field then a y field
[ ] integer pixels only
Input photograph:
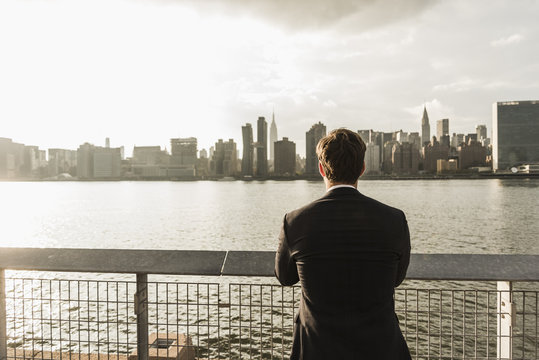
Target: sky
[{"x": 143, "y": 71}]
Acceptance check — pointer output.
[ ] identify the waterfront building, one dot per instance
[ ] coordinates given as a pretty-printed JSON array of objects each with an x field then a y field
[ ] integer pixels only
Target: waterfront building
[
  {"x": 262, "y": 147},
  {"x": 442, "y": 132},
  {"x": 85, "y": 161},
  {"x": 401, "y": 136},
  {"x": 62, "y": 161},
  {"x": 11, "y": 158},
  {"x": 366, "y": 135},
  {"x": 149, "y": 155},
  {"x": 203, "y": 164},
  {"x": 415, "y": 139},
  {"x": 34, "y": 162},
  {"x": 183, "y": 151},
  {"x": 285, "y": 157},
  {"x": 470, "y": 137},
  {"x": 405, "y": 158},
  {"x": 432, "y": 152},
  {"x": 456, "y": 140},
  {"x": 247, "y": 161},
  {"x": 425, "y": 127},
  {"x": 312, "y": 137},
  {"x": 472, "y": 154},
  {"x": 442, "y": 128},
  {"x": 224, "y": 160},
  {"x": 150, "y": 161},
  {"x": 515, "y": 133},
  {"x": 387, "y": 162},
  {"x": 481, "y": 131},
  {"x": 107, "y": 162},
  {"x": 445, "y": 166},
  {"x": 372, "y": 159},
  {"x": 273, "y": 136}
]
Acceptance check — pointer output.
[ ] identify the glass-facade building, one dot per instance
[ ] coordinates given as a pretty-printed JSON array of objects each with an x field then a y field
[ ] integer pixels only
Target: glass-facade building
[{"x": 515, "y": 133}]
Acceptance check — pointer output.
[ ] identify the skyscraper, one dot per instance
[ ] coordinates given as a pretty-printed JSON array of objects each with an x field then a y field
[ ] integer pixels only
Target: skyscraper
[
  {"x": 442, "y": 128},
  {"x": 425, "y": 127},
  {"x": 481, "y": 131},
  {"x": 515, "y": 133},
  {"x": 273, "y": 136},
  {"x": 262, "y": 147},
  {"x": 442, "y": 132},
  {"x": 223, "y": 162},
  {"x": 285, "y": 157},
  {"x": 312, "y": 137},
  {"x": 183, "y": 151},
  {"x": 248, "y": 150}
]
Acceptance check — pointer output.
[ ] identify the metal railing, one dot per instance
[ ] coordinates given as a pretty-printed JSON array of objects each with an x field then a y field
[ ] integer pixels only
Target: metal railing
[{"x": 450, "y": 306}]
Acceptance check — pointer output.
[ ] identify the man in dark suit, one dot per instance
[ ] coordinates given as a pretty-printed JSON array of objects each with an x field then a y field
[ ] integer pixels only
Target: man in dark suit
[{"x": 348, "y": 252}]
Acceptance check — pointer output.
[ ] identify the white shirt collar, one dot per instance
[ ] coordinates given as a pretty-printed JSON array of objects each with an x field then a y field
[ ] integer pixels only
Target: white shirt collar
[{"x": 341, "y": 186}]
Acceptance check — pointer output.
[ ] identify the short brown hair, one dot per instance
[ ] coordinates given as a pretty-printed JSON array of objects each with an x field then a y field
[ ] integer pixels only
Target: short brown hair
[{"x": 341, "y": 153}]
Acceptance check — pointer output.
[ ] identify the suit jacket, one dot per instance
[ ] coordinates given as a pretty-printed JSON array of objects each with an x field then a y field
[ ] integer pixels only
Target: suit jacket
[{"x": 349, "y": 252}]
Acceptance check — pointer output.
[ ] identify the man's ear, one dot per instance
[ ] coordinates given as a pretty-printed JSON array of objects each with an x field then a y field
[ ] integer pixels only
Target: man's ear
[
  {"x": 362, "y": 169},
  {"x": 321, "y": 169}
]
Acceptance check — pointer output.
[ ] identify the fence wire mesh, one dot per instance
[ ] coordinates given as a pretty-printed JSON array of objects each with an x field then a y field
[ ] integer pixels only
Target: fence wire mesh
[{"x": 95, "y": 319}]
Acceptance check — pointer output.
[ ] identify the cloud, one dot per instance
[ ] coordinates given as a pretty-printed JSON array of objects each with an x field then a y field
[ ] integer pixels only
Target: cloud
[
  {"x": 435, "y": 108},
  {"x": 505, "y": 41},
  {"x": 457, "y": 86},
  {"x": 316, "y": 14}
]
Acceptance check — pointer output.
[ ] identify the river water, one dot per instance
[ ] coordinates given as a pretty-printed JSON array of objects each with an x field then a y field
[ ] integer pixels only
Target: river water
[{"x": 444, "y": 216}]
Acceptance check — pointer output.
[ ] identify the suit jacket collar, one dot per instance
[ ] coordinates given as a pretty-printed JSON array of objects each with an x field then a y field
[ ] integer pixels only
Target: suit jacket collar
[{"x": 341, "y": 191}]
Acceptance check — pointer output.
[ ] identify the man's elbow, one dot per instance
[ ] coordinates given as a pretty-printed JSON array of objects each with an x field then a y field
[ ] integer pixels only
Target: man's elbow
[{"x": 283, "y": 280}]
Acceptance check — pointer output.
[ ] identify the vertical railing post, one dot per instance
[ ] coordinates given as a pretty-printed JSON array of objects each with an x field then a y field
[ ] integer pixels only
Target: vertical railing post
[
  {"x": 505, "y": 313},
  {"x": 3, "y": 315},
  {"x": 141, "y": 309}
]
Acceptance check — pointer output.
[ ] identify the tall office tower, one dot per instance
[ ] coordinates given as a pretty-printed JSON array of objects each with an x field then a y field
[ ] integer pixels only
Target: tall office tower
[
  {"x": 85, "y": 161},
  {"x": 401, "y": 136},
  {"x": 515, "y": 133},
  {"x": 11, "y": 158},
  {"x": 415, "y": 139},
  {"x": 285, "y": 157},
  {"x": 472, "y": 154},
  {"x": 183, "y": 151},
  {"x": 456, "y": 140},
  {"x": 262, "y": 147},
  {"x": 442, "y": 132},
  {"x": 107, "y": 142},
  {"x": 442, "y": 128},
  {"x": 365, "y": 135},
  {"x": 62, "y": 161},
  {"x": 481, "y": 131},
  {"x": 432, "y": 152},
  {"x": 425, "y": 127},
  {"x": 107, "y": 162},
  {"x": 273, "y": 136},
  {"x": 312, "y": 137},
  {"x": 224, "y": 160},
  {"x": 248, "y": 150},
  {"x": 149, "y": 155},
  {"x": 405, "y": 158},
  {"x": 372, "y": 159},
  {"x": 387, "y": 162}
]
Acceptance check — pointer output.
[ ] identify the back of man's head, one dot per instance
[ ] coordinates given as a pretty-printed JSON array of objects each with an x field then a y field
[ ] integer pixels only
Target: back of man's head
[{"x": 341, "y": 154}]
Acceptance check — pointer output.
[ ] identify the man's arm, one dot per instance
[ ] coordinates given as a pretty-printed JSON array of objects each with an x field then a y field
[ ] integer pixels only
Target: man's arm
[
  {"x": 405, "y": 254},
  {"x": 285, "y": 265}
]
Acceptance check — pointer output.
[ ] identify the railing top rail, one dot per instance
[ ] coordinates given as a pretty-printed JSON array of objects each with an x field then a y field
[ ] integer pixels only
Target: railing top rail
[{"x": 254, "y": 263}]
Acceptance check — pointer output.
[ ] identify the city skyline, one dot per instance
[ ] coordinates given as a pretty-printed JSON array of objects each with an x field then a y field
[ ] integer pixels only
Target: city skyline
[
  {"x": 199, "y": 69},
  {"x": 169, "y": 145}
]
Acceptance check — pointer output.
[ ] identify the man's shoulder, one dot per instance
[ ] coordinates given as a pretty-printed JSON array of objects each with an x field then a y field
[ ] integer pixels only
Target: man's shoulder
[{"x": 327, "y": 201}]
